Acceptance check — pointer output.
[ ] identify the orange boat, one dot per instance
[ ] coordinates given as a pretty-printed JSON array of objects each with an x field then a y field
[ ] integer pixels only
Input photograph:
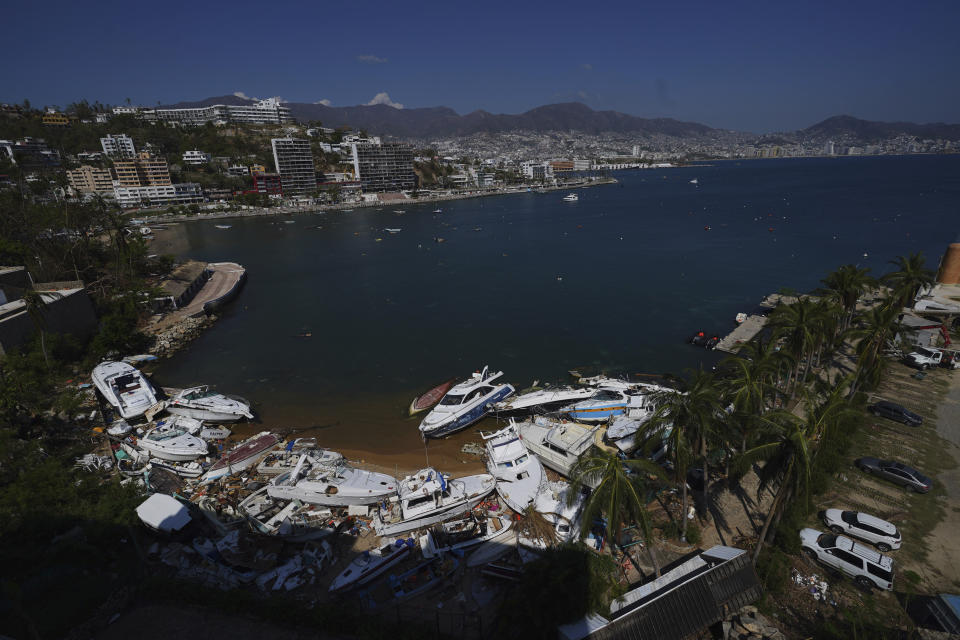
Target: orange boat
[{"x": 426, "y": 400}]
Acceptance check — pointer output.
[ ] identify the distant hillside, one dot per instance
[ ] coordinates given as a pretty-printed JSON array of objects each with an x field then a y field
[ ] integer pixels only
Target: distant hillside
[
  {"x": 871, "y": 131},
  {"x": 443, "y": 121}
]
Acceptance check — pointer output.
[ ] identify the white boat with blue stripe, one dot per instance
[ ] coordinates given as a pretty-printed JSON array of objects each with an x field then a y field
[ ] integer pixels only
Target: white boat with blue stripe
[{"x": 465, "y": 404}]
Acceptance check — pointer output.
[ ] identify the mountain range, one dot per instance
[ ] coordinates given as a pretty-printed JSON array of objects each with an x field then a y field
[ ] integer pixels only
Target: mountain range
[{"x": 439, "y": 122}]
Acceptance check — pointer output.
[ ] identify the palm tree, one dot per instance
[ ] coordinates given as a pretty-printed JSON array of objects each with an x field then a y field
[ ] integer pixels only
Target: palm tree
[
  {"x": 534, "y": 526},
  {"x": 846, "y": 285},
  {"x": 911, "y": 275},
  {"x": 694, "y": 420},
  {"x": 619, "y": 492},
  {"x": 877, "y": 328},
  {"x": 800, "y": 325},
  {"x": 787, "y": 456}
]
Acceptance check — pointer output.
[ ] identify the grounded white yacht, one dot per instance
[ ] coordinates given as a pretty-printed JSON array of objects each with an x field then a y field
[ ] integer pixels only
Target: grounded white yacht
[
  {"x": 124, "y": 387},
  {"x": 284, "y": 460},
  {"x": 552, "y": 504},
  {"x": 519, "y": 474},
  {"x": 335, "y": 485},
  {"x": 613, "y": 398},
  {"x": 172, "y": 443},
  {"x": 544, "y": 399},
  {"x": 558, "y": 444},
  {"x": 428, "y": 497},
  {"x": 203, "y": 404},
  {"x": 465, "y": 403}
]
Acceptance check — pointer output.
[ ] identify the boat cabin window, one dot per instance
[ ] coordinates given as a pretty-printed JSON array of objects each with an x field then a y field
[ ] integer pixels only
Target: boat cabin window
[
  {"x": 199, "y": 393},
  {"x": 127, "y": 382},
  {"x": 451, "y": 399},
  {"x": 519, "y": 461},
  {"x": 505, "y": 465},
  {"x": 416, "y": 502},
  {"x": 607, "y": 395}
]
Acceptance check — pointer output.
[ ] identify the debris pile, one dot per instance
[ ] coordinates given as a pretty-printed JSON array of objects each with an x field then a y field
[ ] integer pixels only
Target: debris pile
[
  {"x": 817, "y": 588},
  {"x": 750, "y": 624}
]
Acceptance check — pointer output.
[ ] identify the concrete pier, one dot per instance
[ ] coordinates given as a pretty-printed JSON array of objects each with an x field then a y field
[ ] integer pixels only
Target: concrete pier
[{"x": 754, "y": 324}]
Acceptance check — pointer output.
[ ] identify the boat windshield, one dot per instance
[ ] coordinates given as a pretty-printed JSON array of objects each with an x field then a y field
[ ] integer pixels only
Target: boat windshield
[
  {"x": 198, "y": 394},
  {"x": 159, "y": 436},
  {"x": 451, "y": 399}
]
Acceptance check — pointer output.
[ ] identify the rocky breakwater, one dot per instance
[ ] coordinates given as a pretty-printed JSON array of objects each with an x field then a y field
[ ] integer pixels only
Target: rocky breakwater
[
  {"x": 750, "y": 624},
  {"x": 169, "y": 337}
]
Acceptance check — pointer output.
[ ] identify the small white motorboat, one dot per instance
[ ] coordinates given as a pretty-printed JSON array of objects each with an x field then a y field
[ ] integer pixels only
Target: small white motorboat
[
  {"x": 571, "y": 197},
  {"x": 222, "y": 226},
  {"x": 124, "y": 387},
  {"x": 202, "y": 403},
  {"x": 428, "y": 497},
  {"x": 519, "y": 474},
  {"x": 741, "y": 317},
  {"x": 183, "y": 469},
  {"x": 334, "y": 485},
  {"x": 552, "y": 504},
  {"x": 695, "y": 181},
  {"x": 172, "y": 443},
  {"x": 462, "y": 534},
  {"x": 392, "y": 231},
  {"x": 466, "y": 403},
  {"x": 195, "y": 427},
  {"x": 370, "y": 564}
]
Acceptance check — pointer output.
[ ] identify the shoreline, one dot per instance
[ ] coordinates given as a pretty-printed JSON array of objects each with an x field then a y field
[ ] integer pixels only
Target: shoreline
[{"x": 292, "y": 210}]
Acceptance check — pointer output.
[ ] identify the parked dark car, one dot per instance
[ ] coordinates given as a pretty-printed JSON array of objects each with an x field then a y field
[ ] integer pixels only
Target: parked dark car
[
  {"x": 896, "y": 472},
  {"x": 896, "y": 412}
]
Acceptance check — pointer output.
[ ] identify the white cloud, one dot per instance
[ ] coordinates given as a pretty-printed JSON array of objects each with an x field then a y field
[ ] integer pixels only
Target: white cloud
[
  {"x": 384, "y": 98},
  {"x": 241, "y": 94},
  {"x": 371, "y": 59},
  {"x": 586, "y": 66},
  {"x": 324, "y": 102}
]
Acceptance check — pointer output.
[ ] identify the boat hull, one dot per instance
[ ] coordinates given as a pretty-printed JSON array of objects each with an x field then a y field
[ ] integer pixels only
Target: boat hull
[
  {"x": 359, "y": 576},
  {"x": 320, "y": 497},
  {"x": 205, "y": 414}
]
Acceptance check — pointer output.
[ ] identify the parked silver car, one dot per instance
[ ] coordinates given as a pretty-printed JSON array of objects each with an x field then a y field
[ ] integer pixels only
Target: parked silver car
[
  {"x": 882, "y": 534},
  {"x": 867, "y": 567},
  {"x": 896, "y": 472}
]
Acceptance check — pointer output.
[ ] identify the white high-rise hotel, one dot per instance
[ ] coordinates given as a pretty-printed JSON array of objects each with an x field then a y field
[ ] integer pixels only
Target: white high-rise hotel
[{"x": 269, "y": 111}]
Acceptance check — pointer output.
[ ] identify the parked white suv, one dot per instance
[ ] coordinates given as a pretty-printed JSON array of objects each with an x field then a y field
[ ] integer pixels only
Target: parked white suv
[
  {"x": 867, "y": 567},
  {"x": 882, "y": 534}
]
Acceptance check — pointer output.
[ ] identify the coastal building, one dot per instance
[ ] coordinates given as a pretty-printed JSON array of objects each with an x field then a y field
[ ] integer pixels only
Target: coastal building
[
  {"x": 30, "y": 152},
  {"x": 195, "y": 157},
  {"x": 383, "y": 167},
  {"x": 158, "y": 195},
  {"x": 561, "y": 166},
  {"x": 269, "y": 111},
  {"x": 257, "y": 168},
  {"x": 118, "y": 145},
  {"x": 536, "y": 170},
  {"x": 294, "y": 162},
  {"x": 87, "y": 179},
  {"x": 142, "y": 171},
  {"x": 581, "y": 165},
  {"x": 267, "y": 183},
  {"x": 237, "y": 171},
  {"x": 55, "y": 119}
]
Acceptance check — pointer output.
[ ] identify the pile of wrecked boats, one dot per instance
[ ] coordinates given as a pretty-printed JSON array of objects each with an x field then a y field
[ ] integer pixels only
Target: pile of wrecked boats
[{"x": 252, "y": 499}]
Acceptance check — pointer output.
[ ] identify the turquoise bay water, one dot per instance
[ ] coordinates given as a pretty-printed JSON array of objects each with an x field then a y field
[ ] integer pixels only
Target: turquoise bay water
[{"x": 536, "y": 286}]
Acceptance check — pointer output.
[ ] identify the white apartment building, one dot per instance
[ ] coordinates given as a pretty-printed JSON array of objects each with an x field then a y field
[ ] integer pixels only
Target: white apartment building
[
  {"x": 294, "y": 162},
  {"x": 153, "y": 195},
  {"x": 195, "y": 157},
  {"x": 118, "y": 145},
  {"x": 581, "y": 165},
  {"x": 536, "y": 170},
  {"x": 269, "y": 111}
]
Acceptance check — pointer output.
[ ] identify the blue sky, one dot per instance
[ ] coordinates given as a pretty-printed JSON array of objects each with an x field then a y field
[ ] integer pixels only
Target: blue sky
[{"x": 756, "y": 66}]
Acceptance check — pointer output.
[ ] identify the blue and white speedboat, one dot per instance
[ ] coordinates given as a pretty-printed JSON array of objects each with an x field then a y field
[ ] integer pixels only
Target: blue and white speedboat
[
  {"x": 613, "y": 398},
  {"x": 465, "y": 403}
]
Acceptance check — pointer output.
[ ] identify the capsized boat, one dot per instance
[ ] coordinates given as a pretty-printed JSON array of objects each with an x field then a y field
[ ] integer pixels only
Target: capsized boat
[
  {"x": 124, "y": 387},
  {"x": 370, "y": 564},
  {"x": 335, "y": 485},
  {"x": 519, "y": 474},
  {"x": 204, "y": 404},
  {"x": 428, "y": 497},
  {"x": 426, "y": 400},
  {"x": 172, "y": 443},
  {"x": 544, "y": 399},
  {"x": 465, "y": 403},
  {"x": 242, "y": 456},
  {"x": 463, "y": 534},
  {"x": 277, "y": 462},
  {"x": 558, "y": 444},
  {"x": 291, "y": 520}
]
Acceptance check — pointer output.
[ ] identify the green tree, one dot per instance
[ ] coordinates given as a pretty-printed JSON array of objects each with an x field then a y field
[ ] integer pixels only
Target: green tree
[
  {"x": 911, "y": 275},
  {"x": 845, "y": 286},
  {"x": 619, "y": 492}
]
